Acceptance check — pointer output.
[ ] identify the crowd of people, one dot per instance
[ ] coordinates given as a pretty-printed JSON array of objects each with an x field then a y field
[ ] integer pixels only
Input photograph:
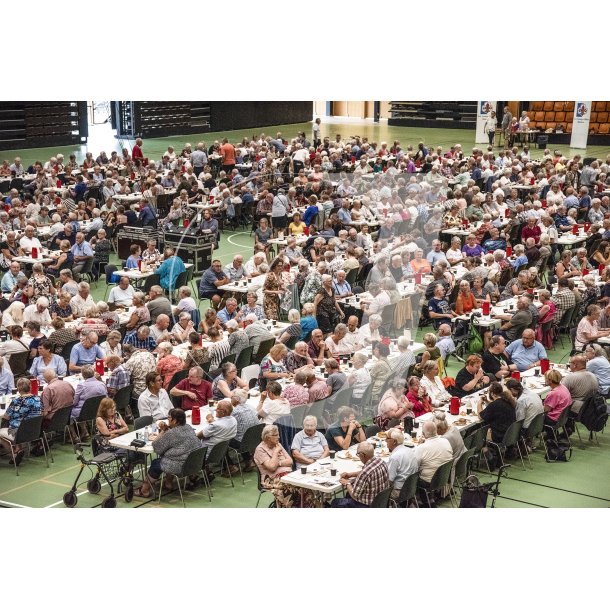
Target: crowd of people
[{"x": 353, "y": 241}]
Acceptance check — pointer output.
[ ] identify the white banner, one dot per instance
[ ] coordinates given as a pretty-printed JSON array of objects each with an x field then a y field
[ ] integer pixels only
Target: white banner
[
  {"x": 483, "y": 110},
  {"x": 580, "y": 125}
]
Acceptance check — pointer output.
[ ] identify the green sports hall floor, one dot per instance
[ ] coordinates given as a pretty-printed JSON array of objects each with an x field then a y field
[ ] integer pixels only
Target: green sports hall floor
[{"x": 582, "y": 482}]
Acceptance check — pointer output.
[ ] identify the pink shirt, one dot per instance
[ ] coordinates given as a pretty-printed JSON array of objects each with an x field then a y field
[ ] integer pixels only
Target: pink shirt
[{"x": 558, "y": 399}]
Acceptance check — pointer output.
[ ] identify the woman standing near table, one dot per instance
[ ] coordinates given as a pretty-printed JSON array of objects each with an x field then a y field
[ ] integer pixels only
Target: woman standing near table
[
  {"x": 326, "y": 308},
  {"x": 273, "y": 289}
]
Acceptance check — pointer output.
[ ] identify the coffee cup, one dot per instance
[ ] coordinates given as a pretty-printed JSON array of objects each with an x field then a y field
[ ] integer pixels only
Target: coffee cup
[
  {"x": 468, "y": 411},
  {"x": 333, "y": 472},
  {"x": 303, "y": 469},
  {"x": 332, "y": 454}
]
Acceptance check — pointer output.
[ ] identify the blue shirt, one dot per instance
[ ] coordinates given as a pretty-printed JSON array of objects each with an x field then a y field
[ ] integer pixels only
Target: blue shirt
[
  {"x": 523, "y": 356},
  {"x": 57, "y": 364},
  {"x": 308, "y": 323},
  {"x": 147, "y": 214},
  {"x": 9, "y": 280},
  {"x": 224, "y": 316},
  {"x": 520, "y": 260},
  {"x": 600, "y": 367},
  {"x": 132, "y": 262},
  {"x": 433, "y": 257},
  {"x": 81, "y": 356},
  {"x": 344, "y": 216},
  {"x": 149, "y": 344},
  {"x": 82, "y": 249},
  {"x": 23, "y": 407},
  {"x": 310, "y": 213},
  {"x": 207, "y": 281},
  {"x": 341, "y": 289},
  {"x": 7, "y": 381},
  {"x": 169, "y": 271}
]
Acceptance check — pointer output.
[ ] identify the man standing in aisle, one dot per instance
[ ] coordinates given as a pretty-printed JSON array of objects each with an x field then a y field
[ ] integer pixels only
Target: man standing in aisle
[
  {"x": 507, "y": 118},
  {"x": 227, "y": 151}
]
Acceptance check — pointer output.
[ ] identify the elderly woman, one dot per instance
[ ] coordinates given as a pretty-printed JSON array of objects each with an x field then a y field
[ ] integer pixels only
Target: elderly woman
[
  {"x": 109, "y": 424},
  {"x": 450, "y": 432},
  {"x": 22, "y": 407},
  {"x": 39, "y": 285},
  {"x": 46, "y": 359},
  {"x": 273, "y": 462},
  {"x": 592, "y": 292},
  {"x": 273, "y": 289},
  {"x": 381, "y": 370},
  {"x": 308, "y": 321},
  {"x": 316, "y": 253},
  {"x": 454, "y": 254},
  {"x": 296, "y": 393},
  {"x": 168, "y": 364},
  {"x": 210, "y": 320},
  {"x": 186, "y": 302},
  {"x": 65, "y": 259},
  {"x": 588, "y": 329},
  {"x": 273, "y": 366},
  {"x": 110, "y": 318},
  {"x": 62, "y": 308},
  {"x": 175, "y": 442},
  {"x": 13, "y": 315},
  {"x": 419, "y": 264},
  {"x": 465, "y": 301},
  {"x": 294, "y": 330},
  {"x": 303, "y": 272},
  {"x": 140, "y": 315},
  {"x": 359, "y": 378},
  {"x": 263, "y": 233},
  {"x": 251, "y": 307},
  {"x": 565, "y": 268},
  {"x": 326, "y": 308},
  {"x": 393, "y": 405},
  {"x": 433, "y": 385},
  {"x": 183, "y": 327},
  {"x": 298, "y": 357},
  {"x": 224, "y": 384},
  {"x": 112, "y": 345},
  {"x": 558, "y": 399},
  {"x": 418, "y": 397}
]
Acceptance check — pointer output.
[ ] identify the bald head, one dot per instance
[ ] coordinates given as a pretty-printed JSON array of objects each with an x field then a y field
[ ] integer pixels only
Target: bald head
[
  {"x": 365, "y": 451},
  {"x": 429, "y": 429}
]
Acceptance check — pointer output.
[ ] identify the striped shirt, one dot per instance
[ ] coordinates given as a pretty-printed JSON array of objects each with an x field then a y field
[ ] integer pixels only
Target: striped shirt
[
  {"x": 217, "y": 351},
  {"x": 119, "y": 378},
  {"x": 246, "y": 418},
  {"x": 149, "y": 344},
  {"x": 371, "y": 480}
]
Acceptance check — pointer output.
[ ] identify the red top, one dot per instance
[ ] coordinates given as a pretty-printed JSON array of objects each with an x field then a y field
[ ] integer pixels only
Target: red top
[
  {"x": 136, "y": 152},
  {"x": 203, "y": 392},
  {"x": 420, "y": 405},
  {"x": 228, "y": 154},
  {"x": 528, "y": 231}
]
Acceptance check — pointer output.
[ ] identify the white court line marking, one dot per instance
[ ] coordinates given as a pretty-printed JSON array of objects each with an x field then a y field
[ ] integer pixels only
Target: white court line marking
[
  {"x": 238, "y": 245},
  {"x": 15, "y": 505}
]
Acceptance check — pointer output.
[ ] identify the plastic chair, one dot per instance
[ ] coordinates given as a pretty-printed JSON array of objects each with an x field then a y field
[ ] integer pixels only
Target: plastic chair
[
  {"x": 19, "y": 363},
  {"x": 476, "y": 441},
  {"x": 317, "y": 410},
  {"x": 439, "y": 480},
  {"x": 408, "y": 491},
  {"x": 298, "y": 414},
  {"x": 177, "y": 377},
  {"x": 244, "y": 358},
  {"x": 259, "y": 485},
  {"x": 29, "y": 430},
  {"x": 150, "y": 281},
  {"x": 287, "y": 430},
  {"x": 87, "y": 414},
  {"x": 249, "y": 443},
  {"x": 250, "y": 372},
  {"x": 462, "y": 466},
  {"x": 142, "y": 422},
  {"x": 192, "y": 466},
  {"x": 535, "y": 429},
  {"x": 123, "y": 399},
  {"x": 382, "y": 499},
  {"x": 109, "y": 271},
  {"x": 57, "y": 425},
  {"x": 371, "y": 431},
  {"x": 263, "y": 350},
  {"x": 216, "y": 455},
  {"x": 511, "y": 439},
  {"x": 561, "y": 422}
]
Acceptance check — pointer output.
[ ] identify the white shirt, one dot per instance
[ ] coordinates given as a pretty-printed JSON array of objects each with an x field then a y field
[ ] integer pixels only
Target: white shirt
[
  {"x": 110, "y": 351},
  {"x": 436, "y": 390},
  {"x": 122, "y": 297},
  {"x": 156, "y": 406},
  {"x": 80, "y": 305},
  {"x": 274, "y": 409},
  {"x": 435, "y": 452},
  {"x": 379, "y": 302},
  {"x": 31, "y": 314},
  {"x": 369, "y": 336},
  {"x": 27, "y": 244}
]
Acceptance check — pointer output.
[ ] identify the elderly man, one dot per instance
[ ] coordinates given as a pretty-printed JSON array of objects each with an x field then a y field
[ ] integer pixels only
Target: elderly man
[
  {"x": 528, "y": 404},
  {"x": 158, "y": 304},
  {"x": 309, "y": 445},
  {"x": 370, "y": 332},
  {"x": 85, "y": 353},
  {"x": 228, "y": 312},
  {"x": 89, "y": 387},
  {"x": 316, "y": 348},
  {"x": 7, "y": 379},
  {"x": 363, "y": 486},
  {"x": 159, "y": 331},
  {"x": 439, "y": 308},
  {"x": 56, "y": 394},
  {"x": 444, "y": 341},
  {"x": 121, "y": 295},
  {"x": 67, "y": 283},
  {"x": 526, "y": 352},
  {"x": 433, "y": 453},
  {"x": 119, "y": 376},
  {"x": 298, "y": 357},
  {"x": 341, "y": 287},
  {"x": 10, "y": 278},
  {"x": 292, "y": 251},
  {"x": 406, "y": 358},
  {"x": 82, "y": 252},
  {"x": 352, "y": 339},
  {"x": 139, "y": 363},
  {"x": 256, "y": 331},
  {"x": 252, "y": 267},
  {"x": 597, "y": 363},
  {"x": 194, "y": 390},
  {"x": 516, "y": 323},
  {"x": 235, "y": 270},
  {"x": 28, "y": 241},
  {"x": 272, "y": 405},
  {"x": 238, "y": 339},
  {"x": 141, "y": 339},
  {"x": 436, "y": 254},
  {"x": 580, "y": 382},
  {"x": 82, "y": 301},
  {"x": 403, "y": 461},
  {"x": 38, "y": 312},
  {"x": 219, "y": 429},
  {"x": 154, "y": 401}
]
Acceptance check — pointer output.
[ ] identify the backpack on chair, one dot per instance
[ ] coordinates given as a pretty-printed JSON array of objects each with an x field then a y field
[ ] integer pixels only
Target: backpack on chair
[
  {"x": 475, "y": 344},
  {"x": 594, "y": 413}
]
